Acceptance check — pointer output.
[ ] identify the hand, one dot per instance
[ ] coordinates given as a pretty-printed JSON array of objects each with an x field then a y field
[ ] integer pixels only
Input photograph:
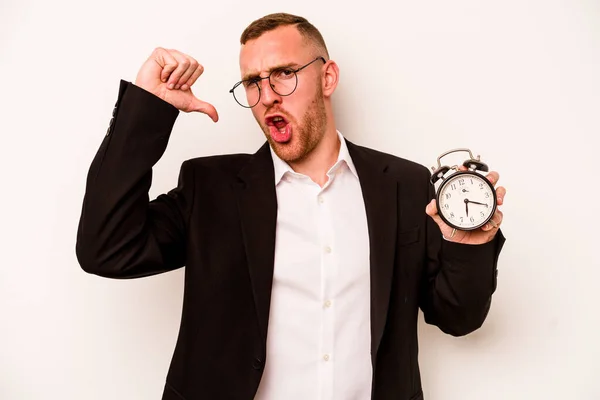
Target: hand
[
  {"x": 478, "y": 236},
  {"x": 170, "y": 74}
]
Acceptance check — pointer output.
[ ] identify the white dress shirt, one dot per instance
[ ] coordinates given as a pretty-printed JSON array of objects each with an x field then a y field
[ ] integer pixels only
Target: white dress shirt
[{"x": 319, "y": 335}]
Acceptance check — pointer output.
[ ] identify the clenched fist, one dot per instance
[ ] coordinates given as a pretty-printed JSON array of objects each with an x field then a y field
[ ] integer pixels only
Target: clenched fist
[{"x": 170, "y": 74}]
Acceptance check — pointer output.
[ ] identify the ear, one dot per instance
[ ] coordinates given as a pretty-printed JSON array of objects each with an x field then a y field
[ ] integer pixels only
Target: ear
[{"x": 331, "y": 77}]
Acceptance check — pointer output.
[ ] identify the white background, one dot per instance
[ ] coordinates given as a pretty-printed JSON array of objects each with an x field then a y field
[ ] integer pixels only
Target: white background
[{"x": 516, "y": 81}]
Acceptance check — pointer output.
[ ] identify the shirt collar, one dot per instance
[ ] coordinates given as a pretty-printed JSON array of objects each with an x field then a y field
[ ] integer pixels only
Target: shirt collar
[{"x": 281, "y": 167}]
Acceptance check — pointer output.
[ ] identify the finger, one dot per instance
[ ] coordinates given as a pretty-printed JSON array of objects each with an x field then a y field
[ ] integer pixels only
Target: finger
[
  {"x": 199, "y": 70},
  {"x": 494, "y": 222},
  {"x": 493, "y": 177},
  {"x": 166, "y": 61},
  {"x": 500, "y": 193},
  {"x": 193, "y": 64},
  {"x": 183, "y": 63},
  {"x": 186, "y": 75},
  {"x": 205, "y": 108},
  {"x": 431, "y": 208},
  {"x": 498, "y": 217},
  {"x": 438, "y": 220}
]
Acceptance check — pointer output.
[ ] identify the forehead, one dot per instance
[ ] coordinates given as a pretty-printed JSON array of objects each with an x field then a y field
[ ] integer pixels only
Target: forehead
[{"x": 280, "y": 46}]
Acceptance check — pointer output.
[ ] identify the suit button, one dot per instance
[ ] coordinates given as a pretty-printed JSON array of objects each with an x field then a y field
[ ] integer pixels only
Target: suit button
[
  {"x": 110, "y": 125},
  {"x": 257, "y": 363}
]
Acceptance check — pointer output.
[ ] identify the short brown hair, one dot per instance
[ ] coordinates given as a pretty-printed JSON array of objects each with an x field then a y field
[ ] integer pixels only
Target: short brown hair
[{"x": 273, "y": 21}]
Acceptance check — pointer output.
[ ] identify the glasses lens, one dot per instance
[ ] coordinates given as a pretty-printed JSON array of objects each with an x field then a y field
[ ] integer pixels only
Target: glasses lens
[
  {"x": 247, "y": 94},
  {"x": 283, "y": 81}
]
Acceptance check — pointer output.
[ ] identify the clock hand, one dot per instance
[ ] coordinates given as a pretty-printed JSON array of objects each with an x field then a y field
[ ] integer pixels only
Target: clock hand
[
  {"x": 467, "y": 206},
  {"x": 475, "y": 202}
]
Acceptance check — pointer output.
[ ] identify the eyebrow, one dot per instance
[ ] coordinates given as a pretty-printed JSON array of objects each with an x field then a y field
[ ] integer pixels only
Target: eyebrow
[{"x": 254, "y": 75}]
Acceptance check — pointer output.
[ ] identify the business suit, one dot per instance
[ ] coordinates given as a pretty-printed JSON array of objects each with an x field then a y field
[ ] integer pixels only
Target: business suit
[{"x": 220, "y": 223}]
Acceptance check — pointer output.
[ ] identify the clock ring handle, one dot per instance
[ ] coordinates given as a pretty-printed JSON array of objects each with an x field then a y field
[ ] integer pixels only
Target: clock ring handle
[
  {"x": 471, "y": 164},
  {"x": 455, "y": 151}
]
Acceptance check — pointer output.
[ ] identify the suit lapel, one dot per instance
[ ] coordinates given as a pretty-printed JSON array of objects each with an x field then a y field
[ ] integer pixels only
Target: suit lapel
[
  {"x": 380, "y": 197},
  {"x": 257, "y": 204}
]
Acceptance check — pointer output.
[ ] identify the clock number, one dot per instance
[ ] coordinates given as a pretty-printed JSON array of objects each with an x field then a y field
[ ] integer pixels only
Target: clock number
[
  {"x": 448, "y": 195},
  {"x": 482, "y": 214},
  {"x": 472, "y": 219},
  {"x": 481, "y": 186},
  {"x": 487, "y": 195},
  {"x": 446, "y": 206},
  {"x": 451, "y": 215},
  {"x": 471, "y": 181},
  {"x": 461, "y": 182},
  {"x": 461, "y": 219},
  {"x": 453, "y": 186}
]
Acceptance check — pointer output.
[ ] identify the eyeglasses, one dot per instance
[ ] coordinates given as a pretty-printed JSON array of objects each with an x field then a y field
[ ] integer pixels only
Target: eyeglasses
[{"x": 283, "y": 81}]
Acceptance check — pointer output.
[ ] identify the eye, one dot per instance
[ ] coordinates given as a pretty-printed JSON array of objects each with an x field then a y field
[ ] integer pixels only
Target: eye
[
  {"x": 250, "y": 82},
  {"x": 283, "y": 74}
]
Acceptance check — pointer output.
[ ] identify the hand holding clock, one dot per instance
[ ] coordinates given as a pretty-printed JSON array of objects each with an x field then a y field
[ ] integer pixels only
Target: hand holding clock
[{"x": 485, "y": 233}]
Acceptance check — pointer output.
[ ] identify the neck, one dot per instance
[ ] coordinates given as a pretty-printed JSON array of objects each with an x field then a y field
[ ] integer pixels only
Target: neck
[{"x": 321, "y": 159}]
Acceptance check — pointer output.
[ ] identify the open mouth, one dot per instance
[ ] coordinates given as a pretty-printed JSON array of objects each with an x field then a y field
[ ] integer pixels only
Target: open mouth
[
  {"x": 277, "y": 121},
  {"x": 279, "y": 128}
]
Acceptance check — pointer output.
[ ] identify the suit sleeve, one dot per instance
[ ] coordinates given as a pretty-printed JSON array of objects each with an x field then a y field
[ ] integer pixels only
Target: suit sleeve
[
  {"x": 459, "y": 281},
  {"x": 121, "y": 234}
]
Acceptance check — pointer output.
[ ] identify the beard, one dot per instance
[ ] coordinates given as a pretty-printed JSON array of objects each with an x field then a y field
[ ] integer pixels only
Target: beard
[{"x": 305, "y": 135}]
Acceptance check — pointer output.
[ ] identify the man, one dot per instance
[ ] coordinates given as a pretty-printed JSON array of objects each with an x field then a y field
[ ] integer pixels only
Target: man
[{"x": 307, "y": 261}]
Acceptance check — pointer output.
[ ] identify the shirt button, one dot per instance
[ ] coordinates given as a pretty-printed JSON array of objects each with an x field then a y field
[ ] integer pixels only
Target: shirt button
[
  {"x": 326, "y": 357},
  {"x": 327, "y": 249},
  {"x": 321, "y": 199},
  {"x": 328, "y": 304}
]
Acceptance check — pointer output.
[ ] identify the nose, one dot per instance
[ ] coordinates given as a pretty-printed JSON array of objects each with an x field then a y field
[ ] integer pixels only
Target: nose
[{"x": 268, "y": 97}]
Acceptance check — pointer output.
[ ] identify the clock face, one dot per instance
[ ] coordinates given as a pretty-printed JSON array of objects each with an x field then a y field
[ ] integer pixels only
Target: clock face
[{"x": 466, "y": 200}]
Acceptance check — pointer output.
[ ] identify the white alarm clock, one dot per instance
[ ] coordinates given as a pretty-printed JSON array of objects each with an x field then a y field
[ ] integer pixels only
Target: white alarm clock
[{"x": 466, "y": 200}]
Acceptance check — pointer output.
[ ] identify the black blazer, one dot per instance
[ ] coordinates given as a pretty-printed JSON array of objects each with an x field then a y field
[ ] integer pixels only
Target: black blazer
[{"x": 220, "y": 223}]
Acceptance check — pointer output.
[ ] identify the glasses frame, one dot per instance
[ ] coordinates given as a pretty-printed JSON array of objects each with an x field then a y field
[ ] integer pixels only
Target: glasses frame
[{"x": 259, "y": 78}]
